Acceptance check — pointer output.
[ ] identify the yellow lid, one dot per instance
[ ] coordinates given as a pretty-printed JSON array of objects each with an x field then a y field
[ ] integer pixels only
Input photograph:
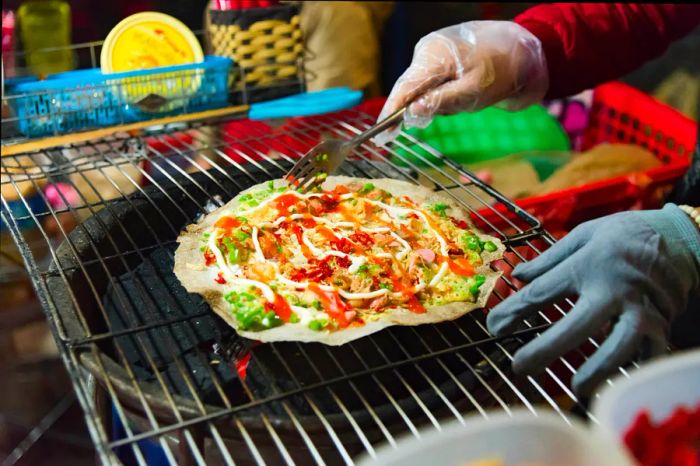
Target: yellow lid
[{"x": 149, "y": 40}]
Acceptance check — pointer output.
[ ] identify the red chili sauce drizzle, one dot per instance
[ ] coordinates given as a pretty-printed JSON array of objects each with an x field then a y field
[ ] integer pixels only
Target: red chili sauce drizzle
[
  {"x": 227, "y": 223},
  {"x": 220, "y": 278},
  {"x": 412, "y": 303},
  {"x": 280, "y": 307},
  {"x": 209, "y": 258},
  {"x": 332, "y": 303},
  {"x": 284, "y": 202},
  {"x": 320, "y": 270}
]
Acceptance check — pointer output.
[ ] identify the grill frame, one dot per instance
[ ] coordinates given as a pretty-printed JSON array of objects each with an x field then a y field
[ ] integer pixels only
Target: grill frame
[{"x": 192, "y": 420}]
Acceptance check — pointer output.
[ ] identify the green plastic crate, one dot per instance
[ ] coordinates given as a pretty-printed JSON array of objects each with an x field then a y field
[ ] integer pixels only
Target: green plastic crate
[{"x": 485, "y": 135}]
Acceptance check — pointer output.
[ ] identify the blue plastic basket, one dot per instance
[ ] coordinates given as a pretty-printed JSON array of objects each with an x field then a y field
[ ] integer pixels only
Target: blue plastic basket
[{"x": 88, "y": 99}]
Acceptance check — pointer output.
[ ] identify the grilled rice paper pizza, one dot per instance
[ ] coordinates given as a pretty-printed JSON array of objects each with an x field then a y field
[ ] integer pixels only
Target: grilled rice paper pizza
[{"x": 339, "y": 263}]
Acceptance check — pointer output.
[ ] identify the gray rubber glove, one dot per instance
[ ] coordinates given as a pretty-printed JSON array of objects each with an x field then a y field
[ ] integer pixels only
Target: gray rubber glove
[{"x": 638, "y": 268}]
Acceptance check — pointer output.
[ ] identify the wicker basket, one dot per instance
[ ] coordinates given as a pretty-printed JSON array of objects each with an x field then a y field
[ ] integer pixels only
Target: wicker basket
[{"x": 265, "y": 44}]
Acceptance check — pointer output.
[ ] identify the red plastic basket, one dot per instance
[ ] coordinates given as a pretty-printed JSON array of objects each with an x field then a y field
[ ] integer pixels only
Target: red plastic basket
[{"x": 621, "y": 114}]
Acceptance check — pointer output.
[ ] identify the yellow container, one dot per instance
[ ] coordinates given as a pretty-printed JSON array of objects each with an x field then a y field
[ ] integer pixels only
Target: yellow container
[{"x": 150, "y": 40}]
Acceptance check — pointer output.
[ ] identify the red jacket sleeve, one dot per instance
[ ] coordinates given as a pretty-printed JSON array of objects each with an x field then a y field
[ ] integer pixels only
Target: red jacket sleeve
[{"x": 587, "y": 44}]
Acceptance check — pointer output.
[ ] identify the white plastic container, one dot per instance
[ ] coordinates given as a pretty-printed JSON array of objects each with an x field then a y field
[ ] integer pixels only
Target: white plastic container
[
  {"x": 659, "y": 387},
  {"x": 520, "y": 440}
]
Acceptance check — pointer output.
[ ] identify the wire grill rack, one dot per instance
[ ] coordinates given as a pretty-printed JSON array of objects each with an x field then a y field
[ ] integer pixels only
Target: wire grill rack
[{"x": 143, "y": 353}]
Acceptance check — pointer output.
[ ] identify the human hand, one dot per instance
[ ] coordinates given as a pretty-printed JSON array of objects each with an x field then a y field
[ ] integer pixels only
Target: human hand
[
  {"x": 467, "y": 67},
  {"x": 633, "y": 269}
]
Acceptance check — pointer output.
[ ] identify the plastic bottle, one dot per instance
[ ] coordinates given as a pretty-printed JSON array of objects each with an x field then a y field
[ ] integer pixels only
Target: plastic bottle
[{"x": 46, "y": 24}]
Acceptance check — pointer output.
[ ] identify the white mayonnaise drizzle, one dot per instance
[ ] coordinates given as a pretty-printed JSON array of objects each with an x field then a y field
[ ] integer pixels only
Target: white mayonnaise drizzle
[
  {"x": 236, "y": 280},
  {"x": 343, "y": 293},
  {"x": 357, "y": 261},
  {"x": 444, "y": 249},
  {"x": 297, "y": 194},
  {"x": 314, "y": 250},
  {"x": 233, "y": 274},
  {"x": 406, "y": 246},
  {"x": 376, "y": 230},
  {"x": 258, "y": 250},
  {"x": 438, "y": 276},
  {"x": 306, "y": 314},
  {"x": 325, "y": 221}
]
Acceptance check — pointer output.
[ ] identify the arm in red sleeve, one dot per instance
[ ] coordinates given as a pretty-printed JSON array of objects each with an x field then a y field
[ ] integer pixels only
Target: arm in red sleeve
[{"x": 587, "y": 44}]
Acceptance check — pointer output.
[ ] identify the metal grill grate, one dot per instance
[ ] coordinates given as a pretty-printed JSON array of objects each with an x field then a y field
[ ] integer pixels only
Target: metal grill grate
[{"x": 142, "y": 351}]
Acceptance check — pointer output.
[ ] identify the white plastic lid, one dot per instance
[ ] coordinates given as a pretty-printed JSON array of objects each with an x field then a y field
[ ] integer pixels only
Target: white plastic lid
[
  {"x": 523, "y": 439},
  {"x": 660, "y": 387}
]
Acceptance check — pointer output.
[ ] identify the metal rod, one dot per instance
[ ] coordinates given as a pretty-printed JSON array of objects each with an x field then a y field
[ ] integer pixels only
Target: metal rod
[{"x": 392, "y": 120}]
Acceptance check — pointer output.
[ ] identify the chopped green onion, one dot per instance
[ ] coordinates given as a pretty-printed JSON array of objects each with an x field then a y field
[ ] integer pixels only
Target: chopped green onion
[
  {"x": 294, "y": 318},
  {"x": 368, "y": 187},
  {"x": 246, "y": 197},
  {"x": 292, "y": 299},
  {"x": 439, "y": 208},
  {"x": 471, "y": 242},
  {"x": 371, "y": 269},
  {"x": 241, "y": 235},
  {"x": 478, "y": 281},
  {"x": 473, "y": 257},
  {"x": 318, "y": 325},
  {"x": 490, "y": 246},
  {"x": 317, "y": 305},
  {"x": 234, "y": 255},
  {"x": 386, "y": 286},
  {"x": 242, "y": 219},
  {"x": 250, "y": 312},
  {"x": 271, "y": 185}
]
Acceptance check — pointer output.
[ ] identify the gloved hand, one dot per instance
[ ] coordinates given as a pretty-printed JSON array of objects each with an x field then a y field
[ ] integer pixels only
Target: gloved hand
[
  {"x": 638, "y": 268},
  {"x": 467, "y": 67}
]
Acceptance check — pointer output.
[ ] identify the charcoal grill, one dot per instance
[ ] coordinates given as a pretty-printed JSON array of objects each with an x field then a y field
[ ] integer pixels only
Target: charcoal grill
[{"x": 141, "y": 349}]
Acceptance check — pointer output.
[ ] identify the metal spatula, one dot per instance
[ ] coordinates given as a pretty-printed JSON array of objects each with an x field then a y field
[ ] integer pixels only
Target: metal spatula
[{"x": 326, "y": 157}]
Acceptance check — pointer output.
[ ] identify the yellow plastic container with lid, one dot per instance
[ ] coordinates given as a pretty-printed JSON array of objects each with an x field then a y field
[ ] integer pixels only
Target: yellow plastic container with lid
[
  {"x": 152, "y": 40},
  {"x": 149, "y": 40}
]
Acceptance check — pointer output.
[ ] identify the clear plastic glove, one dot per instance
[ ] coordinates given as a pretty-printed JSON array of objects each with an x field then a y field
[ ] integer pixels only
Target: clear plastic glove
[
  {"x": 467, "y": 67},
  {"x": 635, "y": 270}
]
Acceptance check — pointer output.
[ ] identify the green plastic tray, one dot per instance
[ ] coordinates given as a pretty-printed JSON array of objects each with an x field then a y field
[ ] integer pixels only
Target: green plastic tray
[{"x": 485, "y": 135}]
